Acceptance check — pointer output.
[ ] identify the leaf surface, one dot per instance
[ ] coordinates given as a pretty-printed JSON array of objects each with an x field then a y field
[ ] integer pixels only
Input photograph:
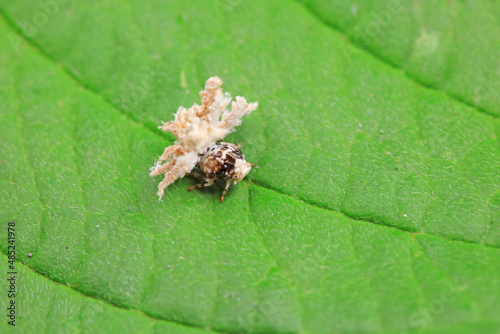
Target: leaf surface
[{"x": 375, "y": 206}]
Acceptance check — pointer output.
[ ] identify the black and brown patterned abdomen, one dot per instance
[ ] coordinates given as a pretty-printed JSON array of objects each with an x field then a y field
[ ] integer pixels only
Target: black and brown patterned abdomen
[{"x": 219, "y": 161}]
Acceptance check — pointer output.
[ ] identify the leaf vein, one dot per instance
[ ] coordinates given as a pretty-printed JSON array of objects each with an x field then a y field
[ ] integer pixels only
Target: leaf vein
[
  {"x": 388, "y": 63},
  {"x": 256, "y": 183},
  {"x": 151, "y": 317}
]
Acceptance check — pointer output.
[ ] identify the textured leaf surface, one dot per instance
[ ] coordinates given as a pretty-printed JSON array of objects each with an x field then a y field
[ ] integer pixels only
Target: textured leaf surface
[
  {"x": 440, "y": 44},
  {"x": 375, "y": 206}
]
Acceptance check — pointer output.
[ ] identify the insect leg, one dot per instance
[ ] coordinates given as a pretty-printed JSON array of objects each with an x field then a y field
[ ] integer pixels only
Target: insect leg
[
  {"x": 228, "y": 183},
  {"x": 201, "y": 185}
]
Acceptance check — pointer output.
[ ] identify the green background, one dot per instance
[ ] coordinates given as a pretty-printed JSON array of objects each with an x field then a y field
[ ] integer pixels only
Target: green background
[{"x": 374, "y": 206}]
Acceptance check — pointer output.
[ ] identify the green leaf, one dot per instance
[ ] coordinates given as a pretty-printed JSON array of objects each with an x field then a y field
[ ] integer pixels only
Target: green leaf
[
  {"x": 63, "y": 310},
  {"x": 374, "y": 206},
  {"x": 451, "y": 46}
]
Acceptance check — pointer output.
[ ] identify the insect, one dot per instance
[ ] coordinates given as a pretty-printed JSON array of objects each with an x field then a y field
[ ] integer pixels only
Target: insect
[
  {"x": 223, "y": 161},
  {"x": 198, "y": 130}
]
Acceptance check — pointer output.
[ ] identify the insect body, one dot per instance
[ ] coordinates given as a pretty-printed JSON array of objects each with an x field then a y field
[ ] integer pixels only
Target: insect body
[
  {"x": 201, "y": 126},
  {"x": 223, "y": 161}
]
